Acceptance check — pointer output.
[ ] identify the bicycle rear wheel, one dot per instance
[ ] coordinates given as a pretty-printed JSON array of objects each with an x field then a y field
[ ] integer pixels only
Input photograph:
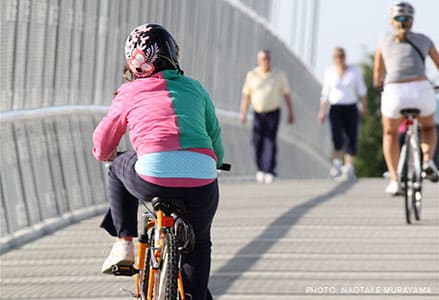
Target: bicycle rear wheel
[
  {"x": 408, "y": 187},
  {"x": 169, "y": 269},
  {"x": 165, "y": 284},
  {"x": 417, "y": 204},
  {"x": 417, "y": 197},
  {"x": 408, "y": 200}
]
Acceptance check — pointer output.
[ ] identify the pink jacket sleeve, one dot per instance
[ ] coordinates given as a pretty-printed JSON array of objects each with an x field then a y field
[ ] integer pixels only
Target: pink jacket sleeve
[{"x": 110, "y": 130}]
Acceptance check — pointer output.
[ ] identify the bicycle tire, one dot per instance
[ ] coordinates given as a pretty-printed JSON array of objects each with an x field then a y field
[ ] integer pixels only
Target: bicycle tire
[
  {"x": 408, "y": 188},
  {"x": 165, "y": 284},
  {"x": 169, "y": 268},
  {"x": 417, "y": 197},
  {"x": 417, "y": 204}
]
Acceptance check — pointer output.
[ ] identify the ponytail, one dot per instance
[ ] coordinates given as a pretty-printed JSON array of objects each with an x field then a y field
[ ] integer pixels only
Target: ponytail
[{"x": 127, "y": 74}]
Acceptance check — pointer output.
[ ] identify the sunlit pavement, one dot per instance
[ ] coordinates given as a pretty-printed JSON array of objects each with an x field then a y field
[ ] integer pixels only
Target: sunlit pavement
[{"x": 302, "y": 239}]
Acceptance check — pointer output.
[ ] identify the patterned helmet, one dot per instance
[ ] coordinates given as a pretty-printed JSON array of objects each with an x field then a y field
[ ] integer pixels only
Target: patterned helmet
[
  {"x": 402, "y": 10},
  {"x": 149, "y": 49}
]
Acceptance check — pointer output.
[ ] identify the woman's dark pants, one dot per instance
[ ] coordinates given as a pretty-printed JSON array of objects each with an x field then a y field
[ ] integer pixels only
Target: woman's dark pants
[{"x": 344, "y": 122}]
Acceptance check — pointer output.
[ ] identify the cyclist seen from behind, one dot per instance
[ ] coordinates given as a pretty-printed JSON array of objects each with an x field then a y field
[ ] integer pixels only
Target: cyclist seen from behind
[
  {"x": 401, "y": 57},
  {"x": 177, "y": 148}
]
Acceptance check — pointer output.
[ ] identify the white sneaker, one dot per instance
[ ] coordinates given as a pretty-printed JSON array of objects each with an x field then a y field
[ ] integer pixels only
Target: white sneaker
[
  {"x": 122, "y": 253},
  {"x": 430, "y": 170},
  {"x": 350, "y": 172},
  {"x": 260, "y": 177},
  {"x": 268, "y": 178},
  {"x": 335, "y": 170},
  {"x": 393, "y": 188}
]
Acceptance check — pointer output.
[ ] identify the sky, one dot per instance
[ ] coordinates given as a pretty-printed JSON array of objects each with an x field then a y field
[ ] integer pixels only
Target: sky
[{"x": 357, "y": 26}]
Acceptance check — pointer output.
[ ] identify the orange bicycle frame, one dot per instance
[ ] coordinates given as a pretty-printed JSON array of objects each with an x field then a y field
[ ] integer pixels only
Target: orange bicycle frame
[{"x": 161, "y": 222}]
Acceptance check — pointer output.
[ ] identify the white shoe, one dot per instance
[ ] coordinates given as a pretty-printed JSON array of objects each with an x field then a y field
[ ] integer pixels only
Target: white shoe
[
  {"x": 268, "y": 178},
  {"x": 260, "y": 177},
  {"x": 122, "y": 254},
  {"x": 430, "y": 170},
  {"x": 350, "y": 172},
  {"x": 335, "y": 170},
  {"x": 393, "y": 188}
]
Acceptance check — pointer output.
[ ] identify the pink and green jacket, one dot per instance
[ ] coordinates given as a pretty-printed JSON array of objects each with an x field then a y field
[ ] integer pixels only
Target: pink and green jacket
[{"x": 172, "y": 126}]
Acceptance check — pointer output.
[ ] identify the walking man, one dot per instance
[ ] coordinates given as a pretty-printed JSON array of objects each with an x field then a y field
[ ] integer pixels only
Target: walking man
[{"x": 264, "y": 89}]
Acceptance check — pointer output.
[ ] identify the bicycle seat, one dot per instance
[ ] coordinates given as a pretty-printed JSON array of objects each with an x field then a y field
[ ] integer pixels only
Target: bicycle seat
[
  {"x": 410, "y": 111},
  {"x": 169, "y": 205}
]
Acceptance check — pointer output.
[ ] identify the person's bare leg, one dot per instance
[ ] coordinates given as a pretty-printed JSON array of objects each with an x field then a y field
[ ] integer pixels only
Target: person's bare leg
[
  {"x": 348, "y": 159},
  {"x": 338, "y": 155},
  {"x": 390, "y": 144},
  {"x": 428, "y": 136}
]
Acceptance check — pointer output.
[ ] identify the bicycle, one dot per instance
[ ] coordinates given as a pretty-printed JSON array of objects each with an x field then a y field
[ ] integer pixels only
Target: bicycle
[
  {"x": 164, "y": 236},
  {"x": 410, "y": 174}
]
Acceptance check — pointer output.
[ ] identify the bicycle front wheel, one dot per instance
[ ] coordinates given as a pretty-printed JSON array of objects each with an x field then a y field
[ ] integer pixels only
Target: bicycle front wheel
[{"x": 147, "y": 268}]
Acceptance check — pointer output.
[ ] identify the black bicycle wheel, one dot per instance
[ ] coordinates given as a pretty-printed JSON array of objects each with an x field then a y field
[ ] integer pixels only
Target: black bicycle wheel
[
  {"x": 167, "y": 287},
  {"x": 417, "y": 197},
  {"x": 417, "y": 204},
  {"x": 408, "y": 202},
  {"x": 408, "y": 187}
]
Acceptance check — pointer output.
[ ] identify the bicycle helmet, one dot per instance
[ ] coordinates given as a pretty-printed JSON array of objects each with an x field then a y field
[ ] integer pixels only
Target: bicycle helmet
[
  {"x": 402, "y": 11},
  {"x": 149, "y": 49}
]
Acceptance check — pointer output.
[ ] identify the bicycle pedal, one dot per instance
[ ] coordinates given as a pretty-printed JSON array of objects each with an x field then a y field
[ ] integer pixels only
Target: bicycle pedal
[
  {"x": 119, "y": 270},
  {"x": 430, "y": 176}
]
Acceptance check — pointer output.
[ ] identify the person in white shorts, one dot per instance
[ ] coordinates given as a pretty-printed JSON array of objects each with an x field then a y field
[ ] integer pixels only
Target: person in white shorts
[{"x": 401, "y": 57}]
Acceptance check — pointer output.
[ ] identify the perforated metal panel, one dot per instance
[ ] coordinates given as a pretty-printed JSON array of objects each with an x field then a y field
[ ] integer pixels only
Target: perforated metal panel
[
  {"x": 12, "y": 190},
  {"x": 31, "y": 204},
  {"x": 56, "y": 167},
  {"x": 69, "y": 165},
  {"x": 96, "y": 184},
  {"x": 41, "y": 173}
]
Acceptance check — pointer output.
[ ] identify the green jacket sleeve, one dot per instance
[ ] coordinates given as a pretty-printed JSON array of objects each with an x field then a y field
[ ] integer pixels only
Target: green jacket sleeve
[{"x": 214, "y": 130}]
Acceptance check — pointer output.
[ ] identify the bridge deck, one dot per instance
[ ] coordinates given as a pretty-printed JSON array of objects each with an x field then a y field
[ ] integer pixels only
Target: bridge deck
[{"x": 309, "y": 239}]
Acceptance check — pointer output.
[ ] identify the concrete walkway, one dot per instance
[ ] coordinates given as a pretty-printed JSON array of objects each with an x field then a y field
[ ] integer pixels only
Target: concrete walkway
[{"x": 290, "y": 240}]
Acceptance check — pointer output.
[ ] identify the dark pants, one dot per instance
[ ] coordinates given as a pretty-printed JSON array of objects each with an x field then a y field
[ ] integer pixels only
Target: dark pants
[
  {"x": 344, "y": 122},
  {"x": 436, "y": 152},
  {"x": 126, "y": 187},
  {"x": 265, "y": 127}
]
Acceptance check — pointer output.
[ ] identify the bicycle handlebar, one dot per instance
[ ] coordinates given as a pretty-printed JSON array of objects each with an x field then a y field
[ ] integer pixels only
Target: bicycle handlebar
[{"x": 225, "y": 167}]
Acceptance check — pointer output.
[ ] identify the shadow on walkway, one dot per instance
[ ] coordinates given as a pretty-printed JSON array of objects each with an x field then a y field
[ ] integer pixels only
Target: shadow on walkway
[{"x": 237, "y": 265}]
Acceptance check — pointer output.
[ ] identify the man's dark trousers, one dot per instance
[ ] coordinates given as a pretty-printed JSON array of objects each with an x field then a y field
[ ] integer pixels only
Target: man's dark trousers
[{"x": 265, "y": 126}]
